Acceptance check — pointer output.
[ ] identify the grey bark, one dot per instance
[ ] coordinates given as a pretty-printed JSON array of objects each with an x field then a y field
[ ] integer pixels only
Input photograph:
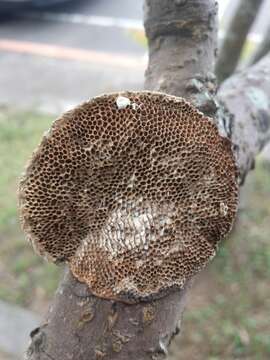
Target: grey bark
[
  {"x": 262, "y": 49},
  {"x": 247, "y": 98},
  {"x": 235, "y": 37},
  {"x": 182, "y": 46},
  {"x": 81, "y": 326}
]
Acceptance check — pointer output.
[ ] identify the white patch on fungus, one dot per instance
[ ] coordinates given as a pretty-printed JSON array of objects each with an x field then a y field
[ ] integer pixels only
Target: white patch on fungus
[
  {"x": 122, "y": 102},
  {"x": 46, "y": 133},
  {"x": 134, "y": 106},
  {"x": 139, "y": 263},
  {"x": 223, "y": 209}
]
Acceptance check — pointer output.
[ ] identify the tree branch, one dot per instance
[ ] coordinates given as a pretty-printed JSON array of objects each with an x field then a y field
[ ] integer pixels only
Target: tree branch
[
  {"x": 182, "y": 38},
  {"x": 235, "y": 37},
  {"x": 262, "y": 49},
  {"x": 247, "y": 97},
  {"x": 81, "y": 326}
]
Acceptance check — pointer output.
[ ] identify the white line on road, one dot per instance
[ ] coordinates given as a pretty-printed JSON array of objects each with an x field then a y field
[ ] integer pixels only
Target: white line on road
[
  {"x": 68, "y": 53},
  {"x": 106, "y": 21},
  {"x": 92, "y": 20}
]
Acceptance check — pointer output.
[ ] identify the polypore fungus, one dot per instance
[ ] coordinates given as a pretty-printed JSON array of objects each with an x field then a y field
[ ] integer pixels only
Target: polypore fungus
[{"x": 134, "y": 190}]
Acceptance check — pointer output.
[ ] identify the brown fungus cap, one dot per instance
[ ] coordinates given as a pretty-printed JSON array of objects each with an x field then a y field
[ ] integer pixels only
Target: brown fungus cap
[{"x": 134, "y": 190}]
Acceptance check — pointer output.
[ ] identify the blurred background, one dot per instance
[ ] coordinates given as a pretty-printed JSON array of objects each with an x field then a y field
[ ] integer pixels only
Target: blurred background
[{"x": 55, "y": 54}]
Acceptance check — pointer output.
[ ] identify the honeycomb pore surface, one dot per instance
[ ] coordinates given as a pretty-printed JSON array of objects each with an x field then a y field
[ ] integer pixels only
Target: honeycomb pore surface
[{"x": 134, "y": 190}]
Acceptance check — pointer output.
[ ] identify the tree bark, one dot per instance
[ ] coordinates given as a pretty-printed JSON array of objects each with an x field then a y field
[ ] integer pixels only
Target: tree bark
[
  {"x": 247, "y": 98},
  {"x": 182, "y": 46},
  {"x": 81, "y": 326},
  {"x": 182, "y": 40},
  {"x": 235, "y": 37},
  {"x": 262, "y": 49}
]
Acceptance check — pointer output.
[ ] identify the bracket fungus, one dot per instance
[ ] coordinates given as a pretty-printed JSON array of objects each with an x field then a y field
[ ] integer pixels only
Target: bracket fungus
[{"x": 133, "y": 190}]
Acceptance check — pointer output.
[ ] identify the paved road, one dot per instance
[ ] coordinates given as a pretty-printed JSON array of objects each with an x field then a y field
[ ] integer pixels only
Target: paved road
[
  {"x": 15, "y": 327},
  {"x": 85, "y": 25},
  {"x": 61, "y": 56}
]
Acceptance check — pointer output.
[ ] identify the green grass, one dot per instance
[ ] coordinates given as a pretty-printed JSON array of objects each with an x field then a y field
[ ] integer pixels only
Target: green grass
[
  {"x": 25, "y": 278},
  {"x": 19, "y": 135},
  {"x": 228, "y": 315}
]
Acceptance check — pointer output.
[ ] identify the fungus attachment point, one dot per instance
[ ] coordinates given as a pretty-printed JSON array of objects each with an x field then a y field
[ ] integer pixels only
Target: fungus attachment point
[{"x": 135, "y": 200}]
